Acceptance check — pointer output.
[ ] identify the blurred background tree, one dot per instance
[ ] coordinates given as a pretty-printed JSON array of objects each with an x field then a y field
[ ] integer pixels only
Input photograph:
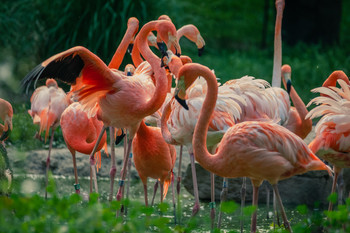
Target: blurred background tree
[{"x": 238, "y": 34}]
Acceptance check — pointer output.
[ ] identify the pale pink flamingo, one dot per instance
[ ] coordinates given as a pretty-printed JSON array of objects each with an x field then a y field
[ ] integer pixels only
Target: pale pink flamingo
[
  {"x": 178, "y": 124},
  {"x": 118, "y": 100},
  {"x": 80, "y": 134},
  {"x": 258, "y": 150},
  {"x": 47, "y": 104},
  {"x": 332, "y": 141}
]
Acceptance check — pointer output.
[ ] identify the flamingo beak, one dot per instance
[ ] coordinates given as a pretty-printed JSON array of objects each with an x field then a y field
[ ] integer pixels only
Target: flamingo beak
[
  {"x": 5, "y": 135},
  {"x": 287, "y": 77},
  {"x": 200, "y": 51},
  {"x": 120, "y": 137},
  {"x": 162, "y": 47},
  {"x": 181, "y": 101},
  {"x": 130, "y": 47}
]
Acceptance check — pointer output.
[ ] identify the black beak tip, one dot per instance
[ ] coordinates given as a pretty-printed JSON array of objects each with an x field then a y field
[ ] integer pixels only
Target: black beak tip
[
  {"x": 289, "y": 86},
  {"x": 162, "y": 47},
  {"x": 130, "y": 47},
  {"x": 5, "y": 135},
  {"x": 200, "y": 51},
  {"x": 128, "y": 73},
  {"x": 119, "y": 138},
  {"x": 182, "y": 102}
]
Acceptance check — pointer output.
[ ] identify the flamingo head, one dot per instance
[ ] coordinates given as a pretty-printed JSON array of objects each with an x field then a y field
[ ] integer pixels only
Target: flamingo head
[
  {"x": 200, "y": 44},
  {"x": 167, "y": 33},
  {"x": 129, "y": 69},
  {"x": 287, "y": 77},
  {"x": 174, "y": 63}
]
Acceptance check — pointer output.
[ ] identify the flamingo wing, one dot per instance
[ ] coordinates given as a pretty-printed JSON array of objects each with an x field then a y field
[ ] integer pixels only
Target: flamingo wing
[{"x": 67, "y": 66}]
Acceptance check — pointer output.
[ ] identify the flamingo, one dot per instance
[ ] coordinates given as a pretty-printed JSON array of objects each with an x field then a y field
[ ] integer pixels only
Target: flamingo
[
  {"x": 47, "y": 104},
  {"x": 258, "y": 150},
  {"x": 153, "y": 157},
  {"x": 118, "y": 101},
  {"x": 332, "y": 141},
  {"x": 80, "y": 134},
  {"x": 192, "y": 33},
  {"x": 6, "y": 114},
  {"x": 181, "y": 123}
]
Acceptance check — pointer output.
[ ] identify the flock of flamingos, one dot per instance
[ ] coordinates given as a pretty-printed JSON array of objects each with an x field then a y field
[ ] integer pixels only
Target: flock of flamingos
[{"x": 243, "y": 128}]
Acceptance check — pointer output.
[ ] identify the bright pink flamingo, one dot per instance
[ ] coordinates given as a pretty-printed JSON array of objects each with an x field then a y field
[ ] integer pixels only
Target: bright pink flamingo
[
  {"x": 192, "y": 33},
  {"x": 153, "y": 157},
  {"x": 80, "y": 134},
  {"x": 6, "y": 114},
  {"x": 258, "y": 150},
  {"x": 108, "y": 93},
  {"x": 47, "y": 104},
  {"x": 332, "y": 141}
]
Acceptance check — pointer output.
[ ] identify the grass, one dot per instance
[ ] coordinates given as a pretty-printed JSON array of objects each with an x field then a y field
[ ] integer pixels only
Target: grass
[{"x": 64, "y": 212}]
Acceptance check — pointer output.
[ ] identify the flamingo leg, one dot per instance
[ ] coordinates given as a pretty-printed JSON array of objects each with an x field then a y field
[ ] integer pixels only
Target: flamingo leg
[
  {"x": 276, "y": 218},
  {"x": 212, "y": 203},
  {"x": 173, "y": 192},
  {"x": 76, "y": 185},
  {"x": 145, "y": 191},
  {"x": 195, "y": 186},
  {"x": 284, "y": 216},
  {"x": 255, "y": 203},
  {"x": 243, "y": 193},
  {"x": 178, "y": 185},
  {"x": 92, "y": 158},
  {"x": 91, "y": 180},
  {"x": 154, "y": 191},
  {"x": 113, "y": 169},
  {"x": 129, "y": 175},
  {"x": 340, "y": 187},
  {"x": 124, "y": 170},
  {"x": 335, "y": 178},
  {"x": 267, "y": 201},
  {"x": 48, "y": 162},
  {"x": 223, "y": 198}
]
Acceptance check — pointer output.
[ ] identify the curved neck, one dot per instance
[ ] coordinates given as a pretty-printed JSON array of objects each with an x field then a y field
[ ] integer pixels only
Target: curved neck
[
  {"x": 200, "y": 150},
  {"x": 123, "y": 46},
  {"x": 159, "y": 73},
  {"x": 306, "y": 124},
  {"x": 164, "y": 126},
  {"x": 331, "y": 81},
  {"x": 135, "y": 54},
  {"x": 277, "y": 58}
]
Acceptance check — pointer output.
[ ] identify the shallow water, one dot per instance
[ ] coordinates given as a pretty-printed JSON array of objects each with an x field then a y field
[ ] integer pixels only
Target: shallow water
[{"x": 34, "y": 184}]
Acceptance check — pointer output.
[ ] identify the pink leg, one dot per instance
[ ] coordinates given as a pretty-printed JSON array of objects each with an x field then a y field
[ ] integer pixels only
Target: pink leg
[
  {"x": 48, "y": 162},
  {"x": 284, "y": 216},
  {"x": 195, "y": 186},
  {"x": 154, "y": 191},
  {"x": 223, "y": 197},
  {"x": 123, "y": 172},
  {"x": 335, "y": 178},
  {"x": 92, "y": 159},
  {"x": 212, "y": 203},
  {"x": 255, "y": 203},
  {"x": 243, "y": 192},
  {"x": 113, "y": 169},
  {"x": 76, "y": 185},
  {"x": 178, "y": 186},
  {"x": 145, "y": 191}
]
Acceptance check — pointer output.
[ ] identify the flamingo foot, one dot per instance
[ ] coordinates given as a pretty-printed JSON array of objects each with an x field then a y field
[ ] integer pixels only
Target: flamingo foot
[
  {"x": 195, "y": 209},
  {"x": 77, "y": 188}
]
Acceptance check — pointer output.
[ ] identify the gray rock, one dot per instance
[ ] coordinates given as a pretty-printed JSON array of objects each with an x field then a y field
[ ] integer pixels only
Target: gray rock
[{"x": 307, "y": 189}]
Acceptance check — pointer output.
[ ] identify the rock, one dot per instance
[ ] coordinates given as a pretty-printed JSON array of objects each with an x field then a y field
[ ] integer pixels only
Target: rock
[{"x": 311, "y": 187}]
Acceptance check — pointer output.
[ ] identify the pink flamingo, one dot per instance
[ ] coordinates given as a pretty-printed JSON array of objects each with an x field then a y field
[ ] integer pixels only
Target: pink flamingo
[
  {"x": 80, "y": 134},
  {"x": 6, "y": 114},
  {"x": 47, "y": 104},
  {"x": 118, "y": 101},
  {"x": 153, "y": 157},
  {"x": 270, "y": 151},
  {"x": 332, "y": 141}
]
